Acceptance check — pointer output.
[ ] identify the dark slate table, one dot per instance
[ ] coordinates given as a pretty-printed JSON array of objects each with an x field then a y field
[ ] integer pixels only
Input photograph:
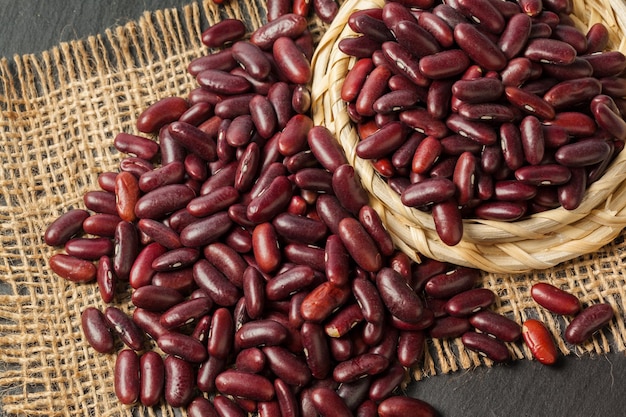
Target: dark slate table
[{"x": 584, "y": 387}]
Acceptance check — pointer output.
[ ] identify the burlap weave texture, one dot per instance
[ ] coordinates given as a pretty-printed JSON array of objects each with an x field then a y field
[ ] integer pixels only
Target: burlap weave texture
[{"x": 59, "y": 113}]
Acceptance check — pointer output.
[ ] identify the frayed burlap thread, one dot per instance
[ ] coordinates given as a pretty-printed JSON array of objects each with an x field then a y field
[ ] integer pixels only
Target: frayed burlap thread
[{"x": 59, "y": 113}]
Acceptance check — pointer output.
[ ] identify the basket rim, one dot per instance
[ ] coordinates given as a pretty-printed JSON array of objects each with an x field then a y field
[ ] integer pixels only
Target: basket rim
[{"x": 538, "y": 241}]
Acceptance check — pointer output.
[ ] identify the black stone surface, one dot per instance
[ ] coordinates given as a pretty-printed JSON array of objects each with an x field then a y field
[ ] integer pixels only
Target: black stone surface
[{"x": 584, "y": 387}]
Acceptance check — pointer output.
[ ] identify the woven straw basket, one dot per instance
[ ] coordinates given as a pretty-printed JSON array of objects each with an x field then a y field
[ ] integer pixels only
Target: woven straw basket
[{"x": 537, "y": 242}]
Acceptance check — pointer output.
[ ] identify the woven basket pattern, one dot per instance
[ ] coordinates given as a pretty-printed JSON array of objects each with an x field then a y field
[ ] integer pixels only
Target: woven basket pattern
[{"x": 540, "y": 241}]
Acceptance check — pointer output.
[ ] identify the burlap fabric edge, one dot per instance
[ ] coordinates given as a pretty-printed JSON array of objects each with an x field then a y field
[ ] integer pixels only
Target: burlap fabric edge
[{"x": 59, "y": 112}]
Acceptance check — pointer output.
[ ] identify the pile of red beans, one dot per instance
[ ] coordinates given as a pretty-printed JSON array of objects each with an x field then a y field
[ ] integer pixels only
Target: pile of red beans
[
  {"x": 484, "y": 108},
  {"x": 260, "y": 278}
]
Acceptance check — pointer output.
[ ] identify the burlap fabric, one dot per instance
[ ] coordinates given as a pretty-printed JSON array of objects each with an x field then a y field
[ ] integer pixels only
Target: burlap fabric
[{"x": 59, "y": 113}]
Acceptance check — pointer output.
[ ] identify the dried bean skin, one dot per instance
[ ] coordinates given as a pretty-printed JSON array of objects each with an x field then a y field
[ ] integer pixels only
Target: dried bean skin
[
  {"x": 398, "y": 296},
  {"x": 179, "y": 381},
  {"x": 65, "y": 227},
  {"x": 127, "y": 378},
  {"x": 497, "y": 325},
  {"x": 555, "y": 299},
  {"x": 152, "y": 383},
  {"x": 587, "y": 322},
  {"x": 540, "y": 342},
  {"x": 397, "y": 406},
  {"x": 243, "y": 384},
  {"x": 485, "y": 345}
]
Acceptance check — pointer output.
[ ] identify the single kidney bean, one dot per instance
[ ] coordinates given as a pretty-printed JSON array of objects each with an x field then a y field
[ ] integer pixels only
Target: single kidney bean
[
  {"x": 328, "y": 403},
  {"x": 450, "y": 283},
  {"x": 185, "y": 312},
  {"x": 170, "y": 173},
  {"x": 396, "y": 406},
  {"x": 201, "y": 407},
  {"x": 448, "y": 221},
  {"x": 286, "y": 398},
  {"x": 587, "y": 322},
  {"x": 348, "y": 189},
  {"x": 513, "y": 190},
  {"x": 160, "y": 113},
  {"x": 175, "y": 259},
  {"x": 398, "y": 296},
  {"x": 135, "y": 166},
  {"x": 148, "y": 321},
  {"x": 445, "y": 64},
  {"x": 205, "y": 230},
  {"x": 243, "y": 384},
  {"x": 300, "y": 229},
  {"x": 469, "y": 302},
  {"x": 372, "y": 223},
  {"x": 411, "y": 348},
  {"x": 540, "y": 341},
  {"x": 507, "y": 211},
  {"x": 289, "y": 24},
  {"x": 270, "y": 202},
  {"x": 325, "y": 148},
  {"x": 497, "y": 325},
  {"x": 336, "y": 261},
  {"x": 343, "y": 321},
  {"x": 64, "y": 227},
  {"x": 478, "y": 90},
  {"x": 570, "y": 93},
  {"x": 179, "y": 381},
  {"x": 481, "y": 132},
  {"x": 223, "y": 32},
  {"x": 263, "y": 332},
  {"x": 287, "y": 366},
  {"x": 152, "y": 371},
  {"x": 290, "y": 60},
  {"x": 142, "y": 271},
  {"x": 250, "y": 360},
  {"x": 252, "y": 59},
  {"x": 217, "y": 200},
  {"x": 479, "y": 47},
  {"x": 101, "y": 224},
  {"x": 606, "y": 64},
  {"x": 136, "y": 145},
  {"x": 404, "y": 63},
  {"x": 487, "y": 346},
  {"x": 227, "y": 260},
  {"x": 160, "y": 233},
  {"x": 449, "y": 327},
  {"x": 436, "y": 27},
  {"x": 323, "y": 300},
  {"x": 571, "y": 194},
  {"x": 72, "y": 268},
  {"x": 383, "y": 386},
  {"x": 193, "y": 139},
  {"x": 317, "y": 180},
  {"x": 208, "y": 371},
  {"x": 161, "y": 201},
  {"x": 288, "y": 282},
  {"x": 183, "y": 346},
  {"x": 415, "y": 38},
  {"x": 226, "y": 407},
  {"x": 316, "y": 349},
  {"x": 127, "y": 376},
  {"x": 125, "y": 328},
  {"x": 548, "y": 50},
  {"x": 309, "y": 255},
  {"x": 515, "y": 35},
  {"x": 222, "y": 331},
  {"x": 96, "y": 330},
  {"x": 555, "y": 299},
  {"x": 100, "y": 202},
  {"x": 219, "y": 288},
  {"x": 254, "y": 292},
  {"x": 427, "y": 192},
  {"x": 360, "y": 244},
  {"x": 529, "y": 103},
  {"x": 153, "y": 298},
  {"x": 106, "y": 279},
  {"x": 89, "y": 248}
]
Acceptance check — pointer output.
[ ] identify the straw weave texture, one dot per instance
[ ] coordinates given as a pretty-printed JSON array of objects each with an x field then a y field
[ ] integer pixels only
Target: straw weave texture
[{"x": 59, "y": 113}]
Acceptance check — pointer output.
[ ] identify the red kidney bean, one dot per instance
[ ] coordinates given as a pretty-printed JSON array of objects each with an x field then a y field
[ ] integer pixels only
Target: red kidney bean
[
  {"x": 302, "y": 254},
  {"x": 325, "y": 148},
  {"x": 479, "y": 90},
  {"x": 254, "y": 292},
  {"x": 127, "y": 377},
  {"x": 373, "y": 88},
  {"x": 359, "y": 244},
  {"x": 64, "y": 227},
  {"x": 263, "y": 116},
  {"x": 290, "y": 60},
  {"x": 608, "y": 119},
  {"x": 271, "y": 201},
  {"x": 227, "y": 260},
  {"x": 437, "y": 27},
  {"x": 106, "y": 279},
  {"x": 243, "y": 384},
  {"x": 100, "y": 202},
  {"x": 220, "y": 60},
  {"x": 374, "y": 226},
  {"x": 250, "y": 360},
  {"x": 287, "y": 366},
  {"x": 136, "y": 145},
  {"x": 316, "y": 349},
  {"x": 515, "y": 35},
  {"x": 161, "y": 113},
  {"x": 398, "y": 296},
  {"x": 497, "y": 325},
  {"x": 72, "y": 268},
  {"x": 148, "y": 321},
  {"x": 448, "y": 221},
  {"x": 445, "y": 64},
  {"x": 218, "y": 200},
  {"x": 547, "y": 174},
  {"x": 285, "y": 283},
  {"x": 135, "y": 166},
  {"x": 555, "y": 299},
  {"x": 481, "y": 132},
  {"x": 153, "y": 298},
  {"x": 597, "y": 38},
  {"x": 328, "y": 403},
  {"x": 348, "y": 189},
  {"x": 124, "y": 327},
  {"x": 286, "y": 399},
  {"x": 252, "y": 59},
  {"x": 221, "y": 290},
  {"x": 289, "y": 24},
  {"x": 501, "y": 210},
  {"x": 569, "y": 93},
  {"x": 89, "y": 248},
  {"x": 163, "y": 200},
  {"x": 533, "y": 143},
  {"x": 540, "y": 341},
  {"x": 450, "y": 283},
  {"x": 185, "y": 312},
  {"x": 403, "y": 62},
  {"x": 396, "y": 406},
  {"x": 343, "y": 321},
  {"x": 226, "y": 407},
  {"x": 383, "y": 142},
  {"x": 587, "y": 322},
  {"x": 223, "y": 32},
  {"x": 415, "y": 38},
  {"x": 606, "y": 64},
  {"x": 314, "y": 179},
  {"x": 552, "y": 51},
  {"x": 355, "y": 79},
  {"x": 106, "y": 181},
  {"x": 571, "y": 194},
  {"x": 449, "y": 327},
  {"x": 160, "y": 233},
  {"x": 263, "y": 332},
  {"x": 201, "y": 407},
  {"x": 171, "y": 173},
  {"x": 96, "y": 330},
  {"x": 266, "y": 247},
  {"x": 464, "y": 177},
  {"x": 100, "y": 224},
  {"x": 208, "y": 371},
  {"x": 323, "y": 300},
  {"x": 487, "y": 346},
  {"x": 470, "y": 302},
  {"x": 411, "y": 348},
  {"x": 179, "y": 381},
  {"x": 488, "y": 55},
  {"x": 575, "y": 123},
  {"x": 175, "y": 259},
  {"x": 152, "y": 372},
  {"x": 529, "y": 103},
  {"x": 428, "y": 191},
  {"x": 205, "y": 230},
  {"x": 299, "y": 228},
  {"x": 142, "y": 271},
  {"x": 193, "y": 139},
  {"x": 336, "y": 261},
  {"x": 514, "y": 190}
]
